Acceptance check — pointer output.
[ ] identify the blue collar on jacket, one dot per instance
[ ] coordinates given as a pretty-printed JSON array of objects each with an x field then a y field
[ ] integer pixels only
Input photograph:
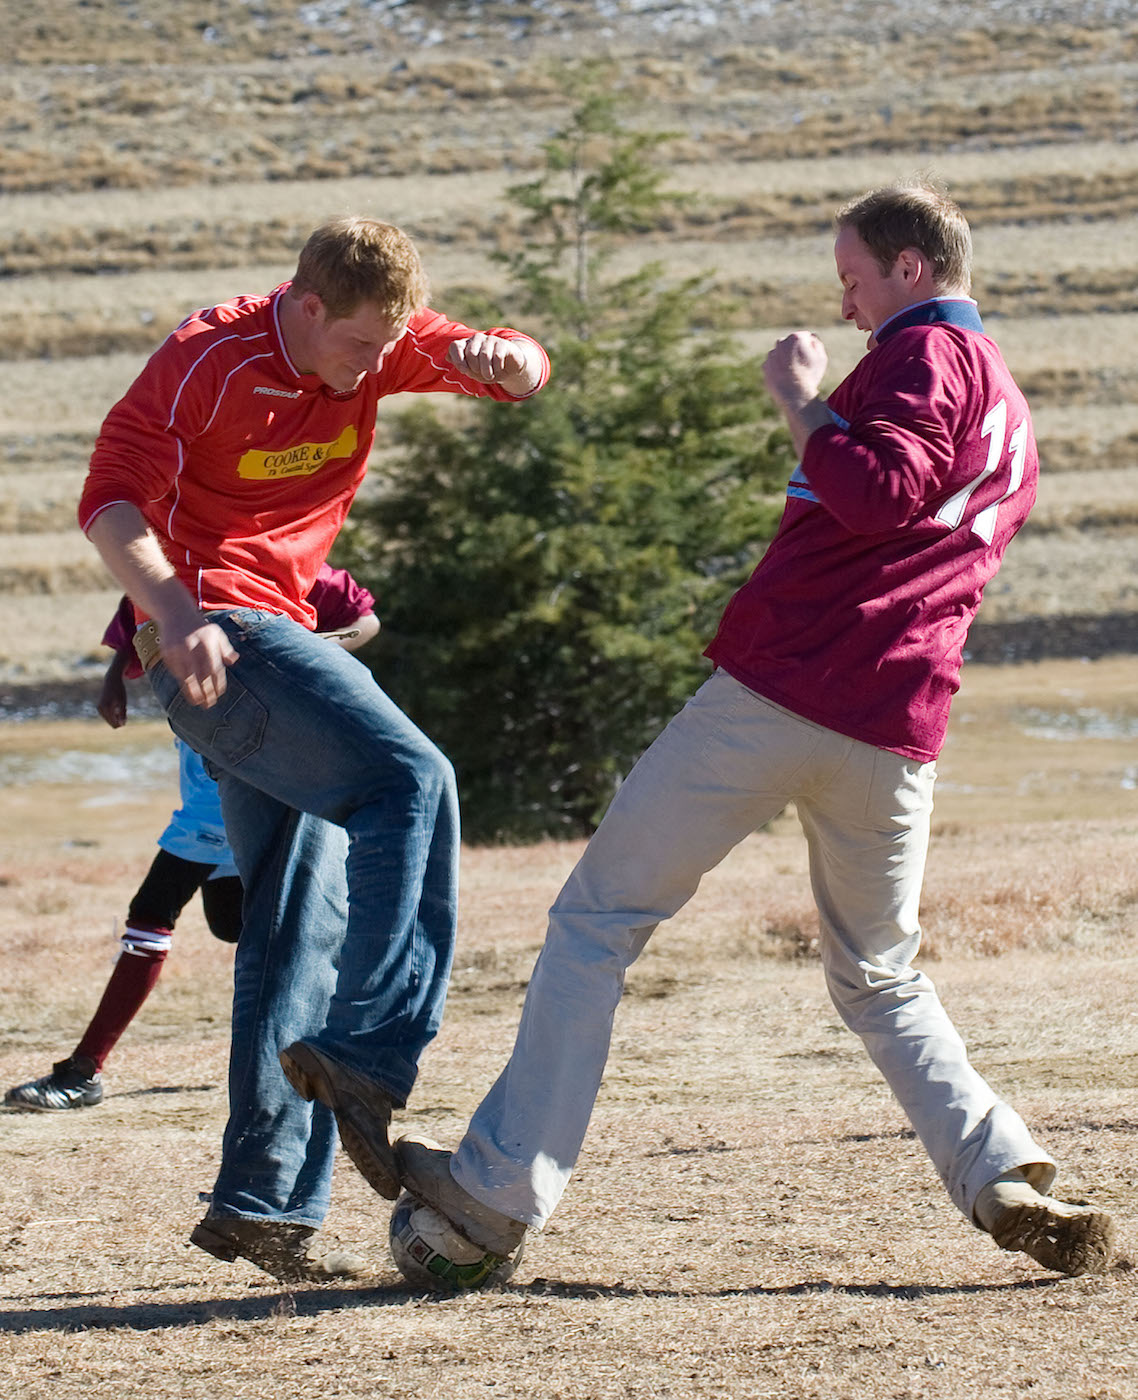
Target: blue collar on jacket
[{"x": 952, "y": 311}]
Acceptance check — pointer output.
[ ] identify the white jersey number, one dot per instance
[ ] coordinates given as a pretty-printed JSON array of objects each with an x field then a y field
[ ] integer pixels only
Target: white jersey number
[{"x": 994, "y": 428}]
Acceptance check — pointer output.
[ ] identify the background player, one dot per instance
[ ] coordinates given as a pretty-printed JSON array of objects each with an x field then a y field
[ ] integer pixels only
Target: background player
[
  {"x": 837, "y": 662},
  {"x": 193, "y": 854}
]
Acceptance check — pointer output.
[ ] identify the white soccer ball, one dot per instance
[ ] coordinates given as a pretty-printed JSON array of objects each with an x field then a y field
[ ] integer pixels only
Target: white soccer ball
[{"x": 431, "y": 1253}]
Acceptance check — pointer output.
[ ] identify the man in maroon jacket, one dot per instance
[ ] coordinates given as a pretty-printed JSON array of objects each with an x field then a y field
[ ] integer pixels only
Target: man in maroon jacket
[{"x": 836, "y": 663}]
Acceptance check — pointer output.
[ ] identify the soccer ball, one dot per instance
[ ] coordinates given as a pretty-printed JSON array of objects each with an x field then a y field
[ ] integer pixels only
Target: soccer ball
[{"x": 431, "y": 1253}]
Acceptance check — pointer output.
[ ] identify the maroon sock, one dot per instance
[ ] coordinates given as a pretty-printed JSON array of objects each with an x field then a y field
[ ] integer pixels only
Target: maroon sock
[{"x": 132, "y": 981}]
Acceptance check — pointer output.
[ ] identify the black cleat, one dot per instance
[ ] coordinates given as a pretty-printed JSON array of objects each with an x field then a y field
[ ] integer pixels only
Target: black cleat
[{"x": 72, "y": 1083}]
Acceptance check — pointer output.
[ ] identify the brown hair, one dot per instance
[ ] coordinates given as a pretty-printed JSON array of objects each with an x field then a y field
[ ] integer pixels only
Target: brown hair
[
  {"x": 916, "y": 215},
  {"x": 352, "y": 260}
]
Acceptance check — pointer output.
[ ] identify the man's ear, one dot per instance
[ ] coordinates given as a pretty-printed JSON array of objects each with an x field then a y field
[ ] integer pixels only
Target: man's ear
[
  {"x": 910, "y": 263},
  {"x": 311, "y": 306}
]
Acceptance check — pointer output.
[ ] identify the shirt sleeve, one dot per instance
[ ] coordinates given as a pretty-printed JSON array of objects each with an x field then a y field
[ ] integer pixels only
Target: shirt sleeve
[
  {"x": 877, "y": 470},
  {"x": 418, "y": 364},
  {"x": 141, "y": 445},
  {"x": 338, "y": 599}
]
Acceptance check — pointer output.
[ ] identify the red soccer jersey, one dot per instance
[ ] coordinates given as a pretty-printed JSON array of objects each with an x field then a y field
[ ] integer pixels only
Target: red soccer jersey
[
  {"x": 899, "y": 514},
  {"x": 243, "y": 467}
]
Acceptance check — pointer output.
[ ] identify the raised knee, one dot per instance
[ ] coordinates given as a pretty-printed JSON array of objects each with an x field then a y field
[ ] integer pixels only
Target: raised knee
[{"x": 436, "y": 779}]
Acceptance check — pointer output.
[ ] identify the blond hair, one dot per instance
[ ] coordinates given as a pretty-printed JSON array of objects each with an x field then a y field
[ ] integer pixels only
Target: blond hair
[
  {"x": 913, "y": 215},
  {"x": 352, "y": 260}
]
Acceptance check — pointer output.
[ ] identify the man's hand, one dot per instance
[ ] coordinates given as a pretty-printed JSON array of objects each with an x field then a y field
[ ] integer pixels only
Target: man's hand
[
  {"x": 793, "y": 371},
  {"x": 112, "y": 698},
  {"x": 197, "y": 656},
  {"x": 492, "y": 359},
  {"x": 794, "y": 368},
  {"x": 195, "y": 650}
]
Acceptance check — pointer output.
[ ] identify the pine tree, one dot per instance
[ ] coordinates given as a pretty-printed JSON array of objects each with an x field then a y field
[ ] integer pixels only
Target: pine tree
[{"x": 549, "y": 572}]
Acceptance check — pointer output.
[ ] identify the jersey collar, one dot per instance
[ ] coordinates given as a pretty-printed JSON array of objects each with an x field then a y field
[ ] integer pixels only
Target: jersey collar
[
  {"x": 937, "y": 311},
  {"x": 282, "y": 348}
]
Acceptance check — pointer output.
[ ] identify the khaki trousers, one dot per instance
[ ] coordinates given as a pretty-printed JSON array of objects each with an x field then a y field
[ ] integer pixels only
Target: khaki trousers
[{"x": 726, "y": 765}]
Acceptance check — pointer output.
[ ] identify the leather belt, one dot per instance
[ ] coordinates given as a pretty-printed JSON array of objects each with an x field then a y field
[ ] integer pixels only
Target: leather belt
[{"x": 148, "y": 645}]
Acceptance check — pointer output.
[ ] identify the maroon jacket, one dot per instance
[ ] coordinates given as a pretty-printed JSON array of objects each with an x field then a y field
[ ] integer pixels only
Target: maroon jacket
[{"x": 899, "y": 514}]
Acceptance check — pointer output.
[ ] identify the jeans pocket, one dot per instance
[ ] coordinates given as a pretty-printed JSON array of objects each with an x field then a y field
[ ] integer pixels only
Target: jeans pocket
[{"x": 227, "y": 732}]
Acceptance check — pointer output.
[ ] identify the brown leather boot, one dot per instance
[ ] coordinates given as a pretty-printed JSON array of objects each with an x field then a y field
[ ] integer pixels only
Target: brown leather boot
[
  {"x": 1070, "y": 1239},
  {"x": 362, "y": 1109},
  {"x": 292, "y": 1253}
]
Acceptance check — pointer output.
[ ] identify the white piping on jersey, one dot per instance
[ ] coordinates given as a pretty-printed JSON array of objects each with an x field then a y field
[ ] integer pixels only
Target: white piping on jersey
[
  {"x": 262, "y": 355},
  {"x": 177, "y": 492},
  {"x": 447, "y": 372},
  {"x": 261, "y": 335},
  {"x": 280, "y": 335},
  {"x": 248, "y": 360},
  {"x": 99, "y": 510}
]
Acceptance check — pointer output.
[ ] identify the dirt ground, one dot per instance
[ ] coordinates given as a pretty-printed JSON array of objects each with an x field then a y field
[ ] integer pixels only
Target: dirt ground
[{"x": 751, "y": 1216}]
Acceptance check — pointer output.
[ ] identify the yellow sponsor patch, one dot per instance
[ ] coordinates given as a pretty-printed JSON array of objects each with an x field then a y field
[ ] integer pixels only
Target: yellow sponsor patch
[{"x": 301, "y": 460}]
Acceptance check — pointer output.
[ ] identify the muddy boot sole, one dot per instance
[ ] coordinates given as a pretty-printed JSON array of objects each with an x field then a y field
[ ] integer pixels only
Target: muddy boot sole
[
  {"x": 1067, "y": 1239},
  {"x": 362, "y": 1109}
]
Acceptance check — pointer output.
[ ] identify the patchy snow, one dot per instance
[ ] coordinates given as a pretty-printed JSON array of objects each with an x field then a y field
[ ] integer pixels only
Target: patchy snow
[{"x": 771, "y": 21}]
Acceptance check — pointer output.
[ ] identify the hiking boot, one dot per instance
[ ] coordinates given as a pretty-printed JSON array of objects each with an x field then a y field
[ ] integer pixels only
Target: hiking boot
[
  {"x": 287, "y": 1251},
  {"x": 362, "y": 1109},
  {"x": 424, "y": 1169},
  {"x": 1070, "y": 1239},
  {"x": 72, "y": 1083}
]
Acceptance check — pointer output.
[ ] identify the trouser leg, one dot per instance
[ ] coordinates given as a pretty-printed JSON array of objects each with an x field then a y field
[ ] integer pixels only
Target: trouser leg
[
  {"x": 407, "y": 867},
  {"x": 304, "y": 723},
  {"x": 278, "y": 1149},
  {"x": 715, "y": 774},
  {"x": 867, "y": 831}
]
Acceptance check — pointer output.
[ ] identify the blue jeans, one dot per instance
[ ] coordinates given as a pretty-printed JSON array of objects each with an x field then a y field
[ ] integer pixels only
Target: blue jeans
[{"x": 343, "y": 819}]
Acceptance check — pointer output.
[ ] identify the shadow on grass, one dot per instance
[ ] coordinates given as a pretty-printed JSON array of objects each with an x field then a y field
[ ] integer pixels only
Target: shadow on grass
[
  {"x": 155, "y": 1089},
  {"x": 312, "y": 1302},
  {"x": 109, "y": 1099}
]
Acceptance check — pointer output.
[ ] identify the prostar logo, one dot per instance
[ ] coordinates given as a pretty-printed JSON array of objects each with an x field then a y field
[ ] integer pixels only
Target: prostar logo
[{"x": 277, "y": 393}]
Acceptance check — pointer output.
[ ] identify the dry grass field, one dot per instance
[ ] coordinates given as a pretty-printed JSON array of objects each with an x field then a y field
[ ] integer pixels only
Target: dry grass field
[{"x": 751, "y": 1217}]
